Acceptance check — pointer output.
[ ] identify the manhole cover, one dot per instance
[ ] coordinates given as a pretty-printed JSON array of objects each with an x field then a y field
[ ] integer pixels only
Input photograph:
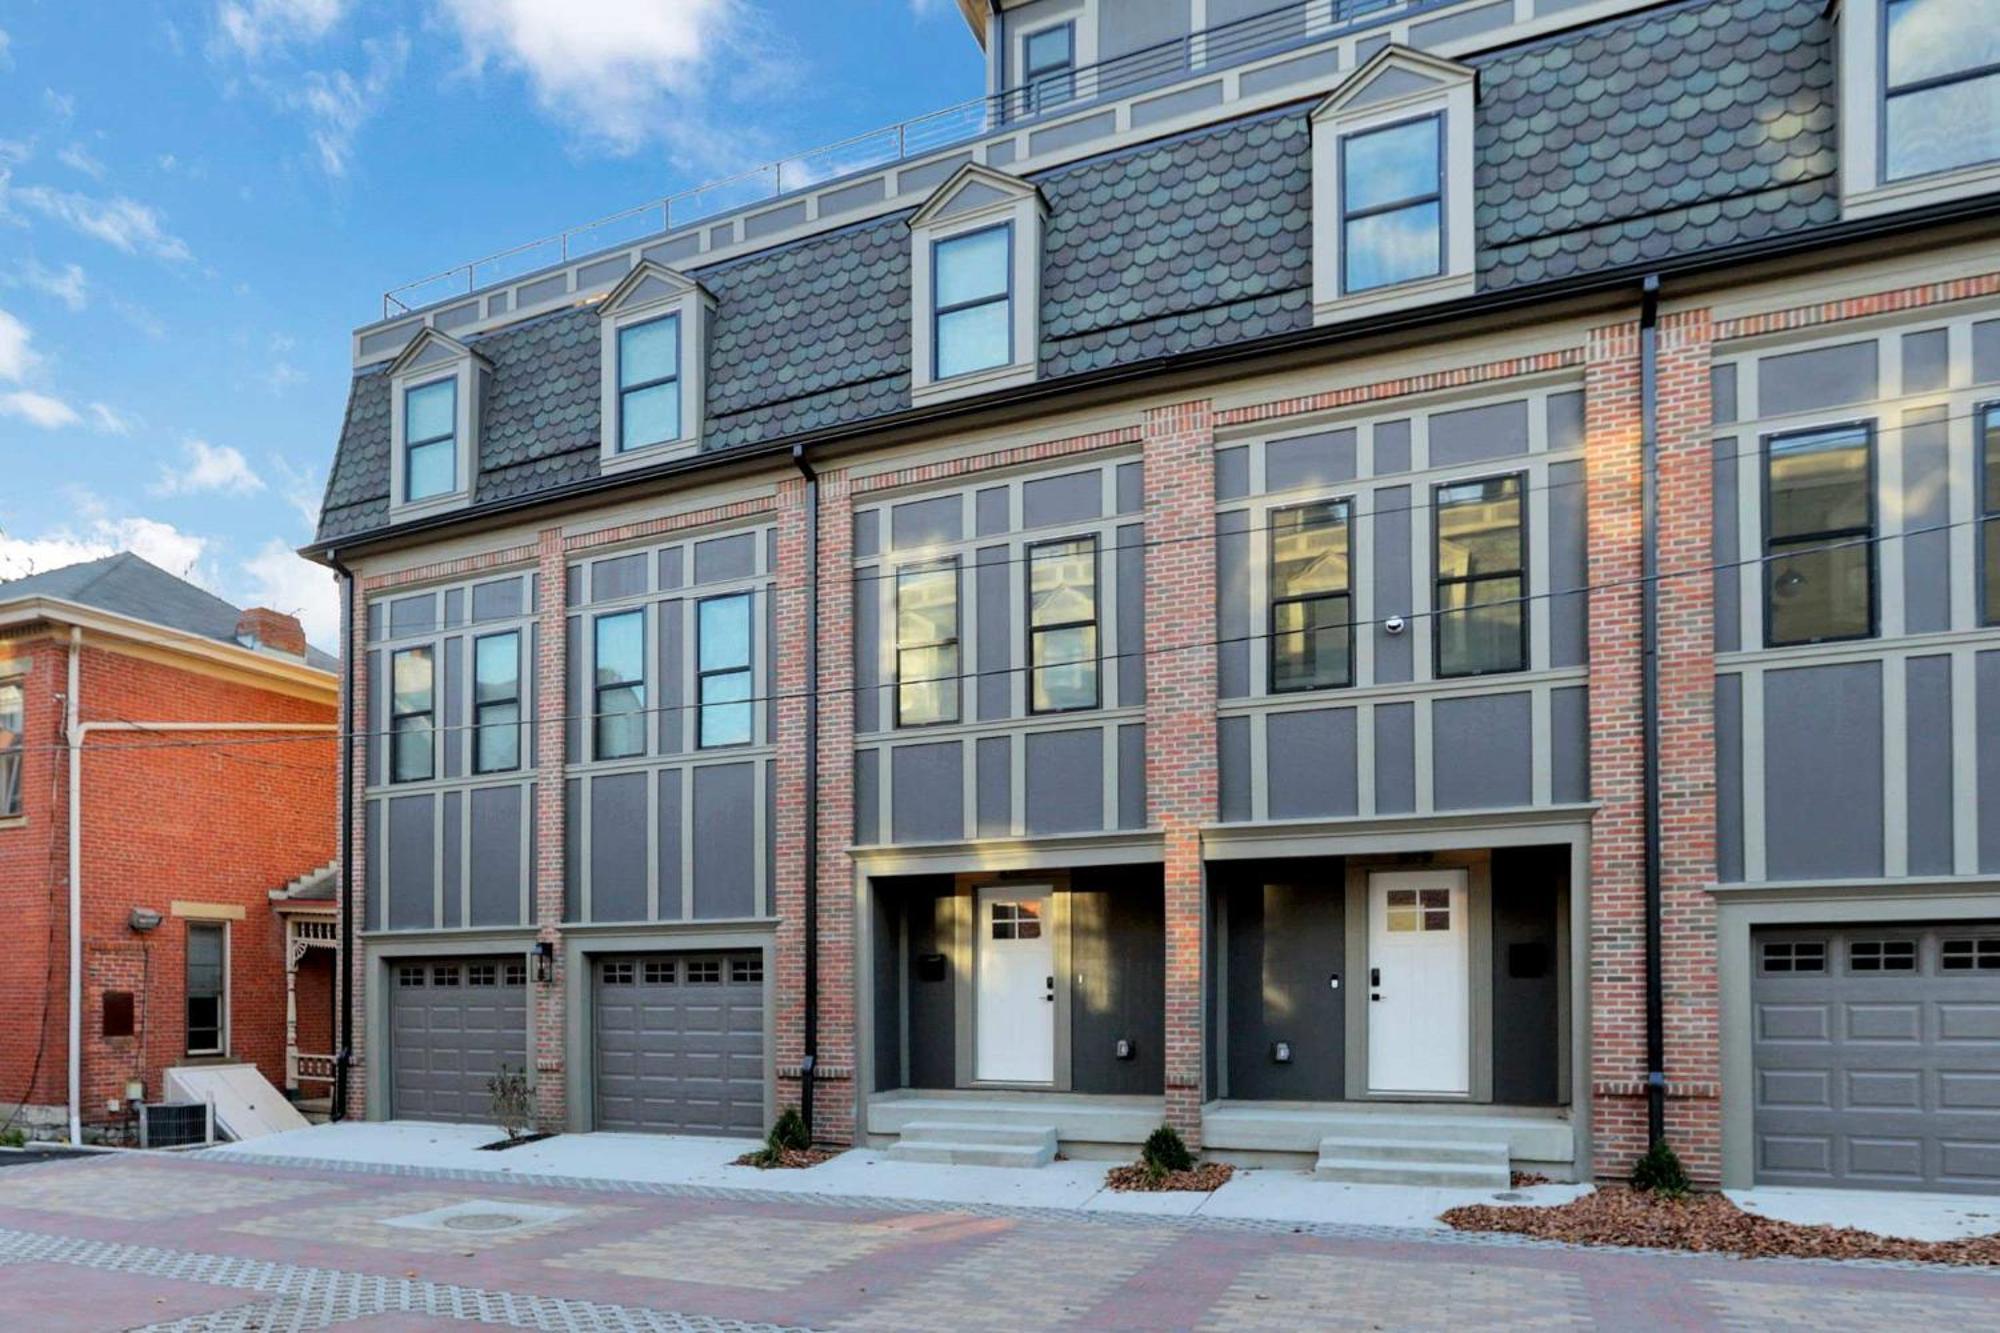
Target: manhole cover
[
  {"x": 1510, "y": 1197},
  {"x": 485, "y": 1222}
]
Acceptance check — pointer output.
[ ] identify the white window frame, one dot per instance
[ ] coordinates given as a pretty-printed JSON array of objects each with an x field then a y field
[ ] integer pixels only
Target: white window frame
[
  {"x": 189, "y": 925},
  {"x": 652, "y": 291},
  {"x": 430, "y": 357},
  {"x": 19, "y": 753},
  {"x": 1397, "y": 86},
  {"x": 1865, "y": 190},
  {"x": 977, "y": 198}
]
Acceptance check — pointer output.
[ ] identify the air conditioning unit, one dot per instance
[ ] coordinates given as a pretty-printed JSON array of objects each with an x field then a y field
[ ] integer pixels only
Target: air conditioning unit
[{"x": 176, "y": 1124}]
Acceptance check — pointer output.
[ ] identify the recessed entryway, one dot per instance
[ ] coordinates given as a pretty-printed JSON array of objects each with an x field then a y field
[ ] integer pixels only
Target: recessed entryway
[
  {"x": 1419, "y": 1017},
  {"x": 1015, "y": 1036}
]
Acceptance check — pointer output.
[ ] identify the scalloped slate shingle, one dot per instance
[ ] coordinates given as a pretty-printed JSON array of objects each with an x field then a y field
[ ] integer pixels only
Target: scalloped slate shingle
[{"x": 1638, "y": 139}]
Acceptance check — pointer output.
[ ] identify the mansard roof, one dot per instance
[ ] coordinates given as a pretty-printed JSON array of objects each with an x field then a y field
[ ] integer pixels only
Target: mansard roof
[{"x": 1687, "y": 128}]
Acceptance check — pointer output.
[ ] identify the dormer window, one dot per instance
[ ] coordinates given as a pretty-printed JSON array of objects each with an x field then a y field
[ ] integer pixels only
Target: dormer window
[
  {"x": 1392, "y": 187},
  {"x": 430, "y": 446},
  {"x": 434, "y": 397},
  {"x": 1392, "y": 204},
  {"x": 976, "y": 270},
  {"x": 649, "y": 383},
  {"x": 654, "y": 340},
  {"x": 1941, "y": 107},
  {"x": 972, "y": 323}
]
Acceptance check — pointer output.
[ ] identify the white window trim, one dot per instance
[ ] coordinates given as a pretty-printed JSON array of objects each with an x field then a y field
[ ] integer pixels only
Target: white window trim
[
  {"x": 433, "y": 356},
  {"x": 223, "y": 1015},
  {"x": 1861, "y": 31},
  {"x": 649, "y": 292},
  {"x": 1019, "y": 204},
  {"x": 1082, "y": 23},
  {"x": 1449, "y": 96}
]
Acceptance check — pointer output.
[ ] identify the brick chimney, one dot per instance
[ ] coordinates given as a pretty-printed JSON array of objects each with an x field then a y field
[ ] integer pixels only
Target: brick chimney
[{"x": 272, "y": 632}]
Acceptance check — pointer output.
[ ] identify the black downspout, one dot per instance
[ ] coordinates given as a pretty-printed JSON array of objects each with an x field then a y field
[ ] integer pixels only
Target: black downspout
[
  {"x": 345, "y": 1055},
  {"x": 811, "y": 1051},
  {"x": 1649, "y": 696}
]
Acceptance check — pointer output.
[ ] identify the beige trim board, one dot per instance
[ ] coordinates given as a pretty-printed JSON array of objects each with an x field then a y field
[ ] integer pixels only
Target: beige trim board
[{"x": 206, "y": 911}]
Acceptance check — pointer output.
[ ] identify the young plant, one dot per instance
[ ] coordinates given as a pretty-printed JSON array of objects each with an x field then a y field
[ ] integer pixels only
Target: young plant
[
  {"x": 513, "y": 1108},
  {"x": 1660, "y": 1172},
  {"x": 1165, "y": 1152},
  {"x": 788, "y": 1132}
]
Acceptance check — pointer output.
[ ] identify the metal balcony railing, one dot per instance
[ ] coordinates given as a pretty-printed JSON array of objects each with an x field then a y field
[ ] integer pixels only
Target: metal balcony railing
[{"x": 1217, "y": 47}]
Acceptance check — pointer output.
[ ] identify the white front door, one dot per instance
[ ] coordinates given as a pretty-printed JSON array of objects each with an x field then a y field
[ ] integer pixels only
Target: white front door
[
  {"x": 1015, "y": 1037},
  {"x": 1419, "y": 1022}
]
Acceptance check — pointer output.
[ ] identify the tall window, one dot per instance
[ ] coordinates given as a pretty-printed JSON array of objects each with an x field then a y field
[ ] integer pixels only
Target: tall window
[
  {"x": 1310, "y": 611},
  {"x": 1048, "y": 72},
  {"x": 430, "y": 439},
  {"x": 722, "y": 660},
  {"x": 207, "y": 966},
  {"x": 1819, "y": 526},
  {"x": 618, "y": 656},
  {"x": 649, "y": 389},
  {"x": 971, "y": 285},
  {"x": 11, "y": 726},
  {"x": 412, "y": 715},
  {"x": 927, "y": 644},
  {"x": 1989, "y": 534},
  {"x": 1062, "y": 625},
  {"x": 496, "y": 702},
  {"x": 1482, "y": 621},
  {"x": 1941, "y": 82},
  {"x": 1392, "y": 204}
]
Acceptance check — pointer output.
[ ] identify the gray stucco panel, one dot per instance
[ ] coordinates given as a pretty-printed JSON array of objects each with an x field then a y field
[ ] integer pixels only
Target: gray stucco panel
[
  {"x": 927, "y": 793},
  {"x": 1481, "y": 751},
  {"x": 725, "y": 846},
  {"x": 1395, "y": 759},
  {"x": 1820, "y": 377},
  {"x": 1729, "y": 778},
  {"x": 1232, "y": 738},
  {"x": 1065, "y": 781},
  {"x": 995, "y": 778},
  {"x": 496, "y": 856},
  {"x": 412, "y": 872},
  {"x": 1311, "y": 757},
  {"x": 1928, "y": 756},
  {"x": 1070, "y": 498},
  {"x": 618, "y": 847},
  {"x": 1394, "y": 660},
  {"x": 1823, "y": 771},
  {"x": 1498, "y": 430}
]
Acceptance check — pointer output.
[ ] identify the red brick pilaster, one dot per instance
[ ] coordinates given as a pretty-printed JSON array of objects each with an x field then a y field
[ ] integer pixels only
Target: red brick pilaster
[
  {"x": 1180, "y": 717},
  {"x": 551, "y": 742},
  {"x": 1687, "y": 760},
  {"x": 836, "y": 1086}
]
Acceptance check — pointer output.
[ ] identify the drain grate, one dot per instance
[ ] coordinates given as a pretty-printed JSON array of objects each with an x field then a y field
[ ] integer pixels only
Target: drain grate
[
  {"x": 485, "y": 1222},
  {"x": 482, "y": 1217}
]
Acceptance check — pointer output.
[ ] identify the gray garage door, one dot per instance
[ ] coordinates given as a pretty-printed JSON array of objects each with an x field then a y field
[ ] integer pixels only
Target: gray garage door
[
  {"x": 1877, "y": 1055},
  {"x": 680, "y": 1043},
  {"x": 452, "y": 1023}
]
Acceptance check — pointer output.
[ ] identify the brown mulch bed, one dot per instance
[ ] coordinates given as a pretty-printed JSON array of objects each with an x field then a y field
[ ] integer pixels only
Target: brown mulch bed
[
  {"x": 1205, "y": 1177},
  {"x": 1709, "y": 1224},
  {"x": 1522, "y": 1180},
  {"x": 792, "y": 1159}
]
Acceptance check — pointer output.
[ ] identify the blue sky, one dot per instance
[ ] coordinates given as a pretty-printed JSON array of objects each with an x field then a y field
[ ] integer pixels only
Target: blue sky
[{"x": 199, "y": 200}]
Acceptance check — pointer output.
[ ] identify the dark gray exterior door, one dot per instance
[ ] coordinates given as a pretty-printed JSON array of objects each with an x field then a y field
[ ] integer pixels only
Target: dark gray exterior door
[
  {"x": 680, "y": 1043},
  {"x": 1877, "y": 1054},
  {"x": 452, "y": 1023}
]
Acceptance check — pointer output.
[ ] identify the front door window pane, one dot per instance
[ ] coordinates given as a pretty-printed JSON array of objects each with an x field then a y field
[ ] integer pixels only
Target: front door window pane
[{"x": 1819, "y": 549}]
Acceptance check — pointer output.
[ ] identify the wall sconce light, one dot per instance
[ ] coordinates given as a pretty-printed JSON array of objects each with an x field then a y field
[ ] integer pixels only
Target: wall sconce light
[
  {"x": 1124, "y": 1049},
  {"x": 1281, "y": 1052},
  {"x": 545, "y": 961},
  {"x": 144, "y": 919}
]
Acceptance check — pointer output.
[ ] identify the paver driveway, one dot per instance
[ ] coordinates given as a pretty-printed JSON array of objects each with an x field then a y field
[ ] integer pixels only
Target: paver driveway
[{"x": 209, "y": 1243}]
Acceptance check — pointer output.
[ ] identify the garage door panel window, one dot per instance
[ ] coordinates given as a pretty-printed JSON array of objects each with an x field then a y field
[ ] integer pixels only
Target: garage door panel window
[
  {"x": 660, "y": 972},
  {"x": 1793, "y": 956},
  {"x": 1882, "y": 956},
  {"x": 1970, "y": 955},
  {"x": 207, "y": 988},
  {"x": 704, "y": 971},
  {"x": 409, "y": 977}
]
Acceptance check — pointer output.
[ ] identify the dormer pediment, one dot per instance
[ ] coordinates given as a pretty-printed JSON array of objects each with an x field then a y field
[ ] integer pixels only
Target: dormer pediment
[
  {"x": 650, "y": 283},
  {"x": 1392, "y": 74},
  {"x": 972, "y": 189},
  {"x": 431, "y": 348}
]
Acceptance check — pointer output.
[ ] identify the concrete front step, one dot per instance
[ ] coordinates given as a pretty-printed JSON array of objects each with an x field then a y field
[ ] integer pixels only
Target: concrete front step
[
  {"x": 969, "y": 1143},
  {"x": 1357, "y": 1161}
]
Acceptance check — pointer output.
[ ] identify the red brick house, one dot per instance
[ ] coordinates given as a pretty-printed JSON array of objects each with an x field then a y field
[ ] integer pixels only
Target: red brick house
[{"x": 166, "y": 774}]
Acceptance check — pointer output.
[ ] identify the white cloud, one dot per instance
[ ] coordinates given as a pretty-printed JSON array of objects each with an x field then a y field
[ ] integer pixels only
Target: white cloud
[
  {"x": 38, "y": 409},
  {"x": 77, "y": 158},
  {"x": 101, "y": 534},
  {"x": 128, "y": 225},
  {"x": 6, "y": 46},
  {"x": 67, "y": 284},
  {"x": 17, "y": 358},
  {"x": 208, "y": 468},
  {"x": 61, "y": 106},
  {"x": 277, "y": 578},
  {"x": 109, "y": 419},
  {"x": 622, "y": 72},
  {"x": 336, "y": 104},
  {"x": 255, "y": 26},
  {"x": 302, "y": 488}
]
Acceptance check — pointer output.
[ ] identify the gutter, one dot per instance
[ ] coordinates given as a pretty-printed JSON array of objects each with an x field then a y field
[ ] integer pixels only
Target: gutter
[
  {"x": 343, "y": 1056},
  {"x": 810, "y": 1046},
  {"x": 1605, "y": 282},
  {"x": 1649, "y": 697}
]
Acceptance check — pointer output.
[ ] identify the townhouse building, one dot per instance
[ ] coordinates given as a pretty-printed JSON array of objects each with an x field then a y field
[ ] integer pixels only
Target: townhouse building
[
  {"x": 1328, "y": 572},
  {"x": 166, "y": 837}
]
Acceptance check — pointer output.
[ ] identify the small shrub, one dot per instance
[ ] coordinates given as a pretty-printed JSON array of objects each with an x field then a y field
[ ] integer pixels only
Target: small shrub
[
  {"x": 513, "y": 1107},
  {"x": 789, "y": 1132},
  {"x": 1660, "y": 1172},
  {"x": 15, "y": 1137},
  {"x": 1165, "y": 1151}
]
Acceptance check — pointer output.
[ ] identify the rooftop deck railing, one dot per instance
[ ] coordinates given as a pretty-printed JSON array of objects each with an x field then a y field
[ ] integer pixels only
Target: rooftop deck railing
[{"x": 1290, "y": 24}]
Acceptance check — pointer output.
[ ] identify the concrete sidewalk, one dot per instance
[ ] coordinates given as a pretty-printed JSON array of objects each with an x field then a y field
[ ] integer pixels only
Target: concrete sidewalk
[{"x": 1277, "y": 1196}]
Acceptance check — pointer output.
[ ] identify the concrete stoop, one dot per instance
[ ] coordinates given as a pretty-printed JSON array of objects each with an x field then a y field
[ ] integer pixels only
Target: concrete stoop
[
  {"x": 1358, "y": 1161},
  {"x": 972, "y": 1143}
]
